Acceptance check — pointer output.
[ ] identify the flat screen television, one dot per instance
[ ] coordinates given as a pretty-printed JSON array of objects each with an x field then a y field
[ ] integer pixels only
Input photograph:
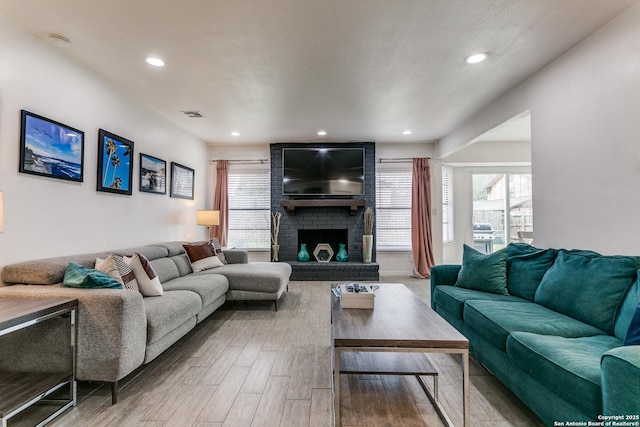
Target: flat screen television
[{"x": 323, "y": 171}]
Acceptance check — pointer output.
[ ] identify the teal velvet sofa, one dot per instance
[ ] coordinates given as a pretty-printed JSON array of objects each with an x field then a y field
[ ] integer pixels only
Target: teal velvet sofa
[{"x": 554, "y": 336}]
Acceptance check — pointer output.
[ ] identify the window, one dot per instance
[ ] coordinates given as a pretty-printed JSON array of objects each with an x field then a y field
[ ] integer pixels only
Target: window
[
  {"x": 447, "y": 204},
  {"x": 249, "y": 208},
  {"x": 393, "y": 207}
]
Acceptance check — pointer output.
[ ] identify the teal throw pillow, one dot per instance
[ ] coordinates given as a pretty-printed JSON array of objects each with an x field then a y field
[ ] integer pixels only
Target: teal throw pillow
[
  {"x": 633, "y": 334},
  {"x": 482, "y": 272},
  {"x": 526, "y": 266},
  {"x": 79, "y": 276},
  {"x": 587, "y": 286}
]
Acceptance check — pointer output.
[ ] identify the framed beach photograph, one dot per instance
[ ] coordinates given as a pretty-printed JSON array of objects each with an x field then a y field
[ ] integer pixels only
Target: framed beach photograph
[
  {"x": 51, "y": 149},
  {"x": 115, "y": 163},
  {"x": 153, "y": 174},
  {"x": 181, "y": 181}
]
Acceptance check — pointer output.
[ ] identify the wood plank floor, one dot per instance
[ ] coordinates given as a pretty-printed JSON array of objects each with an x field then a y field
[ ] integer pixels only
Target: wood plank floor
[{"x": 247, "y": 365}]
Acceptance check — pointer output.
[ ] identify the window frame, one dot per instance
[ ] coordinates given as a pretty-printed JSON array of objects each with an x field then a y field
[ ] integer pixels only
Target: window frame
[
  {"x": 235, "y": 173},
  {"x": 404, "y": 168}
]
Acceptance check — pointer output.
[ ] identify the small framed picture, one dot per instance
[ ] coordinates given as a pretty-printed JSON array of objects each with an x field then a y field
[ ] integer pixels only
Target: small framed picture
[
  {"x": 181, "y": 181},
  {"x": 51, "y": 149},
  {"x": 153, "y": 174},
  {"x": 115, "y": 163}
]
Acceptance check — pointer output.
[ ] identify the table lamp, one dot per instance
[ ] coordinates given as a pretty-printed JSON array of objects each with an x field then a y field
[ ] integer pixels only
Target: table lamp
[{"x": 208, "y": 218}]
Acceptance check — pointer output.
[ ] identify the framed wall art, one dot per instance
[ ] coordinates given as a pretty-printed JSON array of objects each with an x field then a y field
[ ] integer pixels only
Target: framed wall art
[
  {"x": 181, "y": 181},
  {"x": 51, "y": 149},
  {"x": 115, "y": 163},
  {"x": 153, "y": 174}
]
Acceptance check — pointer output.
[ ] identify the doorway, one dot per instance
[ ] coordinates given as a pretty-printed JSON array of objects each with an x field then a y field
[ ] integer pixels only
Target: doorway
[{"x": 502, "y": 209}]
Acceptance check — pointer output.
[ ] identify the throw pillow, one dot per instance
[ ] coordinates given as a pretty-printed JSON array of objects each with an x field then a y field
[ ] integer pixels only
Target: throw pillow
[
  {"x": 108, "y": 266},
  {"x": 79, "y": 276},
  {"x": 202, "y": 256},
  {"x": 217, "y": 247},
  {"x": 126, "y": 273},
  {"x": 633, "y": 334},
  {"x": 148, "y": 281},
  {"x": 482, "y": 272},
  {"x": 587, "y": 286},
  {"x": 526, "y": 266}
]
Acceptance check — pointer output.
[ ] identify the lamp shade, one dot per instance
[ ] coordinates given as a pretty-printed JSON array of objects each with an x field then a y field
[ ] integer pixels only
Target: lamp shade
[{"x": 208, "y": 217}]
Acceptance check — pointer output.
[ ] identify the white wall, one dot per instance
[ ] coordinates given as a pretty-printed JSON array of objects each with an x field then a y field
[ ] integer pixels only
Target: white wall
[
  {"x": 585, "y": 124},
  {"x": 46, "y": 217}
]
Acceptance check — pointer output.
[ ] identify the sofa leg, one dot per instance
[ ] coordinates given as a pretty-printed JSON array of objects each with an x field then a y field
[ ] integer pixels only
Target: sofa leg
[
  {"x": 114, "y": 392},
  {"x": 275, "y": 303}
]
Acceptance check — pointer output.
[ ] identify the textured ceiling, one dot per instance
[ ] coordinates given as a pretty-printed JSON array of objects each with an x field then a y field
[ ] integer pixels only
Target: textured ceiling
[{"x": 279, "y": 70}]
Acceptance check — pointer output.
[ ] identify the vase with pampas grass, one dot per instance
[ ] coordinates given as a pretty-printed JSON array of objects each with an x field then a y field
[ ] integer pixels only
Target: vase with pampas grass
[
  {"x": 275, "y": 222},
  {"x": 367, "y": 238}
]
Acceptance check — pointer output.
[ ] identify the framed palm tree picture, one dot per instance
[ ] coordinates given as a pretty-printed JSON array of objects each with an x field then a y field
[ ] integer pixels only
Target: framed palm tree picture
[{"x": 115, "y": 163}]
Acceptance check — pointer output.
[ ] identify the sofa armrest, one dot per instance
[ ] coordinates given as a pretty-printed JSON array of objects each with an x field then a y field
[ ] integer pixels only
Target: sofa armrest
[
  {"x": 112, "y": 328},
  {"x": 445, "y": 274},
  {"x": 236, "y": 256},
  {"x": 621, "y": 381}
]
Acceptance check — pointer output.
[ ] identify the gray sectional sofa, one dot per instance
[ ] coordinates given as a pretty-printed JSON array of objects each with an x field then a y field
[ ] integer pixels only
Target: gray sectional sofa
[{"x": 120, "y": 330}]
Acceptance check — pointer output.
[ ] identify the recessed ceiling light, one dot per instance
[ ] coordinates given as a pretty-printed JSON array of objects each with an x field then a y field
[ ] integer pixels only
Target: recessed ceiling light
[
  {"x": 322, "y": 133},
  {"x": 407, "y": 132},
  {"x": 156, "y": 62},
  {"x": 235, "y": 133},
  {"x": 476, "y": 58}
]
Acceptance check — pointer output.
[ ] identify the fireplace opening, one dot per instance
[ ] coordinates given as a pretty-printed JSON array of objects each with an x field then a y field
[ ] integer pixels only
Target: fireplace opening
[{"x": 332, "y": 237}]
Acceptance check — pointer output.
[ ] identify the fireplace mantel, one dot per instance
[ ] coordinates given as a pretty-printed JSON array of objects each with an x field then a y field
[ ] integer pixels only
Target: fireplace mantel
[{"x": 352, "y": 204}]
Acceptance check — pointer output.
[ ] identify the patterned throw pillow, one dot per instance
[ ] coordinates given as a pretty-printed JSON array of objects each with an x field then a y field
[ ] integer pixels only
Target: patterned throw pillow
[
  {"x": 202, "y": 256},
  {"x": 126, "y": 273},
  {"x": 217, "y": 248},
  {"x": 148, "y": 281},
  {"x": 108, "y": 266}
]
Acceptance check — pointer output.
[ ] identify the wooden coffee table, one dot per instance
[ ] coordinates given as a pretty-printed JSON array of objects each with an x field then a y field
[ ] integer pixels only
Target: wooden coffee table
[{"x": 400, "y": 323}]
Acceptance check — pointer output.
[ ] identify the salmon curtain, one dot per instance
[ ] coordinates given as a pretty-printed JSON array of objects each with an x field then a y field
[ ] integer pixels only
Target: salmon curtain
[
  {"x": 421, "y": 231},
  {"x": 221, "y": 202}
]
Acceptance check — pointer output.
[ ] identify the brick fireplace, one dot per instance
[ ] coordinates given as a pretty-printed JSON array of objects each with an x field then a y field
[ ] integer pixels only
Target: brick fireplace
[{"x": 324, "y": 220}]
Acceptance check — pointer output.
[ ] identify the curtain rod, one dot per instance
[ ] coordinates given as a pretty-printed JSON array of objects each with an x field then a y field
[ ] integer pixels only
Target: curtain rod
[
  {"x": 396, "y": 159},
  {"x": 245, "y": 161}
]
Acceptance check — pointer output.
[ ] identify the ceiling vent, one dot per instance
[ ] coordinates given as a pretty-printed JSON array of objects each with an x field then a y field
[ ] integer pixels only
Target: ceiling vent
[{"x": 193, "y": 114}]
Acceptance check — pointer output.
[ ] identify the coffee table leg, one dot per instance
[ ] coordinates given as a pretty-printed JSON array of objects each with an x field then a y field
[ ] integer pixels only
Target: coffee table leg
[
  {"x": 465, "y": 388},
  {"x": 336, "y": 386}
]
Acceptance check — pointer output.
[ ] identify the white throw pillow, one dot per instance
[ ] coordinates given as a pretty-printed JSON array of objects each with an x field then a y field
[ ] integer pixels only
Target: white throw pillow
[
  {"x": 148, "y": 281},
  {"x": 108, "y": 266}
]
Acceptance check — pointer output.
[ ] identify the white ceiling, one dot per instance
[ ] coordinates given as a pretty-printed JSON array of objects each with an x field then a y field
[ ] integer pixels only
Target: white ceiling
[{"x": 279, "y": 70}]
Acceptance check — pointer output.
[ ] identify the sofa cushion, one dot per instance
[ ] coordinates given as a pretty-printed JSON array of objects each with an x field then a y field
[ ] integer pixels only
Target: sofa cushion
[
  {"x": 568, "y": 366},
  {"x": 79, "y": 276},
  {"x": 182, "y": 263},
  {"x": 169, "y": 312},
  {"x": 627, "y": 310},
  {"x": 526, "y": 265},
  {"x": 482, "y": 272},
  {"x": 256, "y": 276},
  {"x": 209, "y": 287},
  {"x": 587, "y": 287},
  {"x": 633, "y": 334},
  {"x": 452, "y": 298},
  {"x": 494, "y": 320},
  {"x": 166, "y": 269}
]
